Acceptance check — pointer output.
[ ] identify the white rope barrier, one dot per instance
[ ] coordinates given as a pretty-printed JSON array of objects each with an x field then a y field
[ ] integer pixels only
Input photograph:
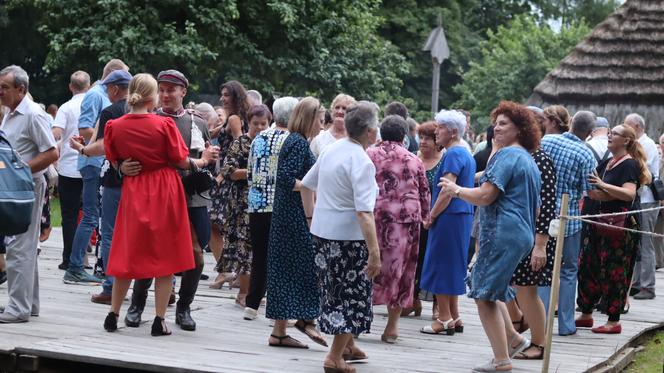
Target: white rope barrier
[
  {"x": 621, "y": 228},
  {"x": 586, "y": 219}
]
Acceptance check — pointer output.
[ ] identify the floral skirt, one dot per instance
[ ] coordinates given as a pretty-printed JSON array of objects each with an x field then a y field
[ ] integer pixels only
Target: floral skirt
[{"x": 346, "y": 290}]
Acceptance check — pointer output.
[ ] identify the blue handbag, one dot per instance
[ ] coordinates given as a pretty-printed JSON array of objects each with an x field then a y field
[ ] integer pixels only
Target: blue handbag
[{"x": 17, "y": 191}]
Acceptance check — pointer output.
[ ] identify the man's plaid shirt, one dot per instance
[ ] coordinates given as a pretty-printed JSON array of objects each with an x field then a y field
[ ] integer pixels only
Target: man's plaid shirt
[{"x": 574, "y": 162}]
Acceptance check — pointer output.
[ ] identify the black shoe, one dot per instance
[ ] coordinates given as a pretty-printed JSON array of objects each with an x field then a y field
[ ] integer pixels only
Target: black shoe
[
  {"x": 3, "y": 277},
  {"x": 183, "y": 318},
  {"x": 111, "y": 322},
  {"x": 179, "y": 274},
  {"x": 158, "y": 327},
  {"x": 204, "y": 277},
  {"x": 633, "y": 291},
  {"x": 133, "y": 317},
  {"x": 63, "y": 266}
]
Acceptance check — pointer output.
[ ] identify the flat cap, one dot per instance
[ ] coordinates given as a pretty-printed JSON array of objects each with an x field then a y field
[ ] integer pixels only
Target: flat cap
[
  {"x": 601, "y": 122},
  {"x": 174, "y": 77},
  {"x": 117, "y": 77}
]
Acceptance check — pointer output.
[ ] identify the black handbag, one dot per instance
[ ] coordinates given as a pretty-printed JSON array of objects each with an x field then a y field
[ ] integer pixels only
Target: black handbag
[
  {"x": 657, "y": 188},
  {"x": 198, "y": 181}
]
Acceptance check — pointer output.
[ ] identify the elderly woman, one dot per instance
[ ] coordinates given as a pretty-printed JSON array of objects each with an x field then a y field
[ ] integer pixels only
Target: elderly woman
[
  {"x": 402, "y": 206},
  {"x": 337, "y": 130},
  {"x": 236, "y": 256},
  {"x": 236, "y": 106},
  {"x": 608, "y": 255},
  {"x": 344, "y": 232},
  {"x": 509, "y": 197},
  {"x": 292, "y": 286},
  {"x": 261, "y": 176},
  {"x": 445, "y": 264}
]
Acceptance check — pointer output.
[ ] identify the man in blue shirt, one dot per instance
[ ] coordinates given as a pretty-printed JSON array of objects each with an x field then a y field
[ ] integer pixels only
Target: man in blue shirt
[
  {"x": 574, "y": 162},
  {"x": 95, "y": 100}
]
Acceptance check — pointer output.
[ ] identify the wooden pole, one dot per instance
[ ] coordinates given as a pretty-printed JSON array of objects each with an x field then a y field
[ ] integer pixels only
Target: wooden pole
[
  {"x": 435, "y": 86},
  {"x": 555, "y": 285}
]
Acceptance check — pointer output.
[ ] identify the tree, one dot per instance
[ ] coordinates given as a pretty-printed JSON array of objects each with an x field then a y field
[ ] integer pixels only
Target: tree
[{"x": 514, "y": 59}]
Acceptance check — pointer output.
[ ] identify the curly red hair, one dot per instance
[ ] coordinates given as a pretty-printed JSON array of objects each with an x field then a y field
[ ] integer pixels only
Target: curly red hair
[{"x": 525, "y": 121}]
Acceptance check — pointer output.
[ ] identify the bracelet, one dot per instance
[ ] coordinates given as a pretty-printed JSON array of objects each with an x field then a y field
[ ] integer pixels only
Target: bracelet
[
  {"x": 308, "y": 217},
  {"x": 83, "y": 151}
]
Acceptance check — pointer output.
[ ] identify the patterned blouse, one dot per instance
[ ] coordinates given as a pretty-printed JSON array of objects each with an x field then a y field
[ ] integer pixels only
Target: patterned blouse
[
  {"x": 262, "y": 170},
  {"x": 404, "y": 195}
]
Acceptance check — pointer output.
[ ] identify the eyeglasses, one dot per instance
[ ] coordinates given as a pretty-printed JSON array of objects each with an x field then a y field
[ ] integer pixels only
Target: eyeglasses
[{"x": 614, "y": 133}]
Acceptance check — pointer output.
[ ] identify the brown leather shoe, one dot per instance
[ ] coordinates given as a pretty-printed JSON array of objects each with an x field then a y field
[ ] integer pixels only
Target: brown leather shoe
[{"x": 101, "y": 298}]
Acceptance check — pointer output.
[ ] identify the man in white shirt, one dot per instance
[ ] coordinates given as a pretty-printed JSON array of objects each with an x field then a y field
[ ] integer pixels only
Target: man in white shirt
[
  {"x": 644, "y": 271},
  {"x": 28, "y": 128},
  {"x": 70, "y": 184},
  {"x": 599, "y": 140}
]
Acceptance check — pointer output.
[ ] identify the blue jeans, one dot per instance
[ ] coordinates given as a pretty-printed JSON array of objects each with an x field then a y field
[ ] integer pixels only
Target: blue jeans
[
  {"x": 568, "y": 276},
  {"x": 110, "y": 200},
  {"x": 91, "y": 180}
]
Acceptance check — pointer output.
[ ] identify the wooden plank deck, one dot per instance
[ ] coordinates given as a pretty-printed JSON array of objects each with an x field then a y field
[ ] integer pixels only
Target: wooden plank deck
[{"x": 70, "y": 328}]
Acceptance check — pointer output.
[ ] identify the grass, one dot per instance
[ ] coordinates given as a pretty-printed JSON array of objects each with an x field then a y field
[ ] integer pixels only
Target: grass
[
  {"x": 650, "y": 360},
  {"x": 56, "y": 218}
]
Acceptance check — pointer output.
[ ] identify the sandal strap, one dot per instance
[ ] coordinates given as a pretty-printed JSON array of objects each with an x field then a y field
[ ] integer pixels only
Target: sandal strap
[
  {"x": 445, "y": 324},
  {"x": 500, "y": 363}
]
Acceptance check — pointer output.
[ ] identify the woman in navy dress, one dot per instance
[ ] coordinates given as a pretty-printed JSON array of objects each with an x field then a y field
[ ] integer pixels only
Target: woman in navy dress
[
  {"x": 445, "y": 263},
  {"x": 292, "y": 282}
]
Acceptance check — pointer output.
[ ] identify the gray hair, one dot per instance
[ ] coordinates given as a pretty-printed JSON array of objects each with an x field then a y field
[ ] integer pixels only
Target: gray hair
[
  {"x": 452, "y": 119},
  {"x": 583, "y": 123},
  {"x": 20, "y": 76},
  {"x": 360, "y": 118},
  {"x": 393, "y": 128},
  {"x": 256, "y": 96},
  {"x": 636, "y": 119},
  {"x": 80, "y": 80},
  {"x": 282, "y": 108},
  {"x": 207, "y": 111}
]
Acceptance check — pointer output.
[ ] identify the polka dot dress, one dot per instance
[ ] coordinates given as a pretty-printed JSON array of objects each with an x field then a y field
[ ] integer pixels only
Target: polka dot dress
[{"x": 524, "y": 274}]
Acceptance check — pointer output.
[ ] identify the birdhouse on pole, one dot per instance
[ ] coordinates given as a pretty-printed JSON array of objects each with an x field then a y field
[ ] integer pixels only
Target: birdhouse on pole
[{"x": 437, "y": 44}]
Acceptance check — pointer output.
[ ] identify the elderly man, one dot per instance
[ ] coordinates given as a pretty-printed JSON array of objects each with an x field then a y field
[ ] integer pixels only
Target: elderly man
[
  {"x": 194, "y": 130},
  {"x": 659, "y": 226},
  {"x": 599, "y": 140},
  {"x": 94, "y": 101},
  {"x": 261, "y": 176},
  {"x": 573, "y": 162},
  {"x": 70, "y": 184},
  {"x": 643, "y": 286},
  {"x": 27, "y": 127}
]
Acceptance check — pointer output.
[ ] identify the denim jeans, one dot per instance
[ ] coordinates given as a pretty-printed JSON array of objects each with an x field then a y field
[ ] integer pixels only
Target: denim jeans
[
  {"x": 91, "y": 180},
  {"x": 568, "y": 277},
  {"x": 110, "y": 200}
]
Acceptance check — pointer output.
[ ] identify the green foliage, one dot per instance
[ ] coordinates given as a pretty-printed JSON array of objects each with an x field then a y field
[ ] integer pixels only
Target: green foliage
[{"x": 514, "y": 59}]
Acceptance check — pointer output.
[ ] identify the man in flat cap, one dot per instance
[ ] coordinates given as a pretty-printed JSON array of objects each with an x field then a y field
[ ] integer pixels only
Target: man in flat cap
[{"x": 193, "y": 128}]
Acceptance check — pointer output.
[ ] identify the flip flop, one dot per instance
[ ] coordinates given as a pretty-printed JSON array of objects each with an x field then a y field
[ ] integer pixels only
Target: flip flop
[
  {"x": 301, "y": 325},
  {"x": 282, "y": 344}
]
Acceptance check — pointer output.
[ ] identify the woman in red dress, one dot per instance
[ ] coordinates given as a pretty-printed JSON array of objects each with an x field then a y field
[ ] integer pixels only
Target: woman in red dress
[{"x": 151, "y": 238}]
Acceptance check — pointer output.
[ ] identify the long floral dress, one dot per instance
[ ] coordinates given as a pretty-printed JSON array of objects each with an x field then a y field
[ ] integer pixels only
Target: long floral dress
[
  {"x": 402, "y": 204},
  {"x": 292, "y": 283},
  {"x": 236, "y": 256}
]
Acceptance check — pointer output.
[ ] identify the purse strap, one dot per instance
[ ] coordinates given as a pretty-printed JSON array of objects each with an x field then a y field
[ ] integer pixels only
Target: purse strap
[{"x": 633, "y": 199}]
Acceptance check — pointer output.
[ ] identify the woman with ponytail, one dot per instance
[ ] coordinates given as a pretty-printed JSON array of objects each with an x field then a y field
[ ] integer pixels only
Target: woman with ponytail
[
  {"x": 149, "y": 240},
  {"x": 608, "y": 254}
]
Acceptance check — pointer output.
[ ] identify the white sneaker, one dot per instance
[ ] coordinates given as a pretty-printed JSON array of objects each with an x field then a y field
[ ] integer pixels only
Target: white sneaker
[{"x": 250, "y": 313}]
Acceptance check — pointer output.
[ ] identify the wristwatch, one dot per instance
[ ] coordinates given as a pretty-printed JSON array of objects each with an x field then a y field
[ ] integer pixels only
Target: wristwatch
[{"x": 457, "y": 192}]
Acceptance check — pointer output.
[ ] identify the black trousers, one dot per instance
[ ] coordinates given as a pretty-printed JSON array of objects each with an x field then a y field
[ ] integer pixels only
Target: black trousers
[
  {"x": 259, "y": 229},
  {"x": 70, "y": 190}
]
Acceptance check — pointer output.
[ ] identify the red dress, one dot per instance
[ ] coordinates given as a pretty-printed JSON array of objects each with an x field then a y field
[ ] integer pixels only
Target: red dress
[{"x": 151, "y": 236}]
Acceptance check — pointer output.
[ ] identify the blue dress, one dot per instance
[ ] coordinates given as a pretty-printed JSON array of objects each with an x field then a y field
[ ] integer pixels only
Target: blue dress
[
  {"x": 446, "y": 258},
  {"x": 292, "y": 282},
  {"x": 507, "y": 226}
]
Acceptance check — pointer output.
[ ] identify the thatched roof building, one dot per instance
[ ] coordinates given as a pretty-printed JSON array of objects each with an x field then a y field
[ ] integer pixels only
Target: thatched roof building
[{"x": 618, "y": 69}]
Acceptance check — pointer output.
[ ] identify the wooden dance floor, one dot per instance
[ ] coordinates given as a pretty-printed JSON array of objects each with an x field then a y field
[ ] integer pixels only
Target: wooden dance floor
[{"x": 69, "y": 331}]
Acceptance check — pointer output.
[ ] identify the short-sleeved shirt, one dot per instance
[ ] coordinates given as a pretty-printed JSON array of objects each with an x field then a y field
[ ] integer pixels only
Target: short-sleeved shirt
[
  {"x": 321, "y": 141},
  {"x": 28, "y": 129},
  {"x": 627, "y": 171},
  {"x": 459, "y": 162},
  {"x": 345, "y": 181},
  {"x": 574, "y": 162},
  {"x": 262, "y": 169},
  {"x": 652, "y": 161},
  {"x": 109, "y": 175},
  {"x": 67, "y": 119},
  {"x": 94, "y": 101}
]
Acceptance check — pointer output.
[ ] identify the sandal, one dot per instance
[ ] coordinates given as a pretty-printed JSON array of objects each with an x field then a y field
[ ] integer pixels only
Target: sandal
[
  {"x": 458, "y": 328},
  {"x": 301, "y": 325},
  {"x": 159, "y": 327},
  {"x": 337, "y": 369},
  {"x": 513, "y": 351},
  {"x": 523, "y": 356},
  {"x": 448, "y": 328},
  {"x": 492, "y": 366},
  {"x": 283, "y": 338},
  {"x": 522, "y": 325},
  {"x": 354, "y": 354},
  {"x": 241, "y": 300},
  {"x": 221, "y": 279}
]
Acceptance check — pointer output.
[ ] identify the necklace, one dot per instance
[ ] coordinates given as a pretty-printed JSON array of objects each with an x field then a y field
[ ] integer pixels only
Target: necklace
[{"x": 615, "y": 161}]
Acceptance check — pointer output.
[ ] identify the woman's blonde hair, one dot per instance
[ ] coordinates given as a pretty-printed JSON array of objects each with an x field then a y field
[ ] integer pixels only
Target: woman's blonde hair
[
  {"x": 304, "y": 117},
  {"x": 559, "y": 116},
  {"x": 636, "y": 151},
  {"x": 343, "y": 97},
  {"x": 142, "y": 89}
]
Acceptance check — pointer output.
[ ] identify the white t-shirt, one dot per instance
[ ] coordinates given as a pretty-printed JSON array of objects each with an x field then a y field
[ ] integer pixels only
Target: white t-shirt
[
  {"x": 344, "y": 179},
  {"x": 600, "y": 145},
  {"x": 652, "y": 156},
  {"x": 321, "y": 141},
  {"x": 67, "y": 119}
]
